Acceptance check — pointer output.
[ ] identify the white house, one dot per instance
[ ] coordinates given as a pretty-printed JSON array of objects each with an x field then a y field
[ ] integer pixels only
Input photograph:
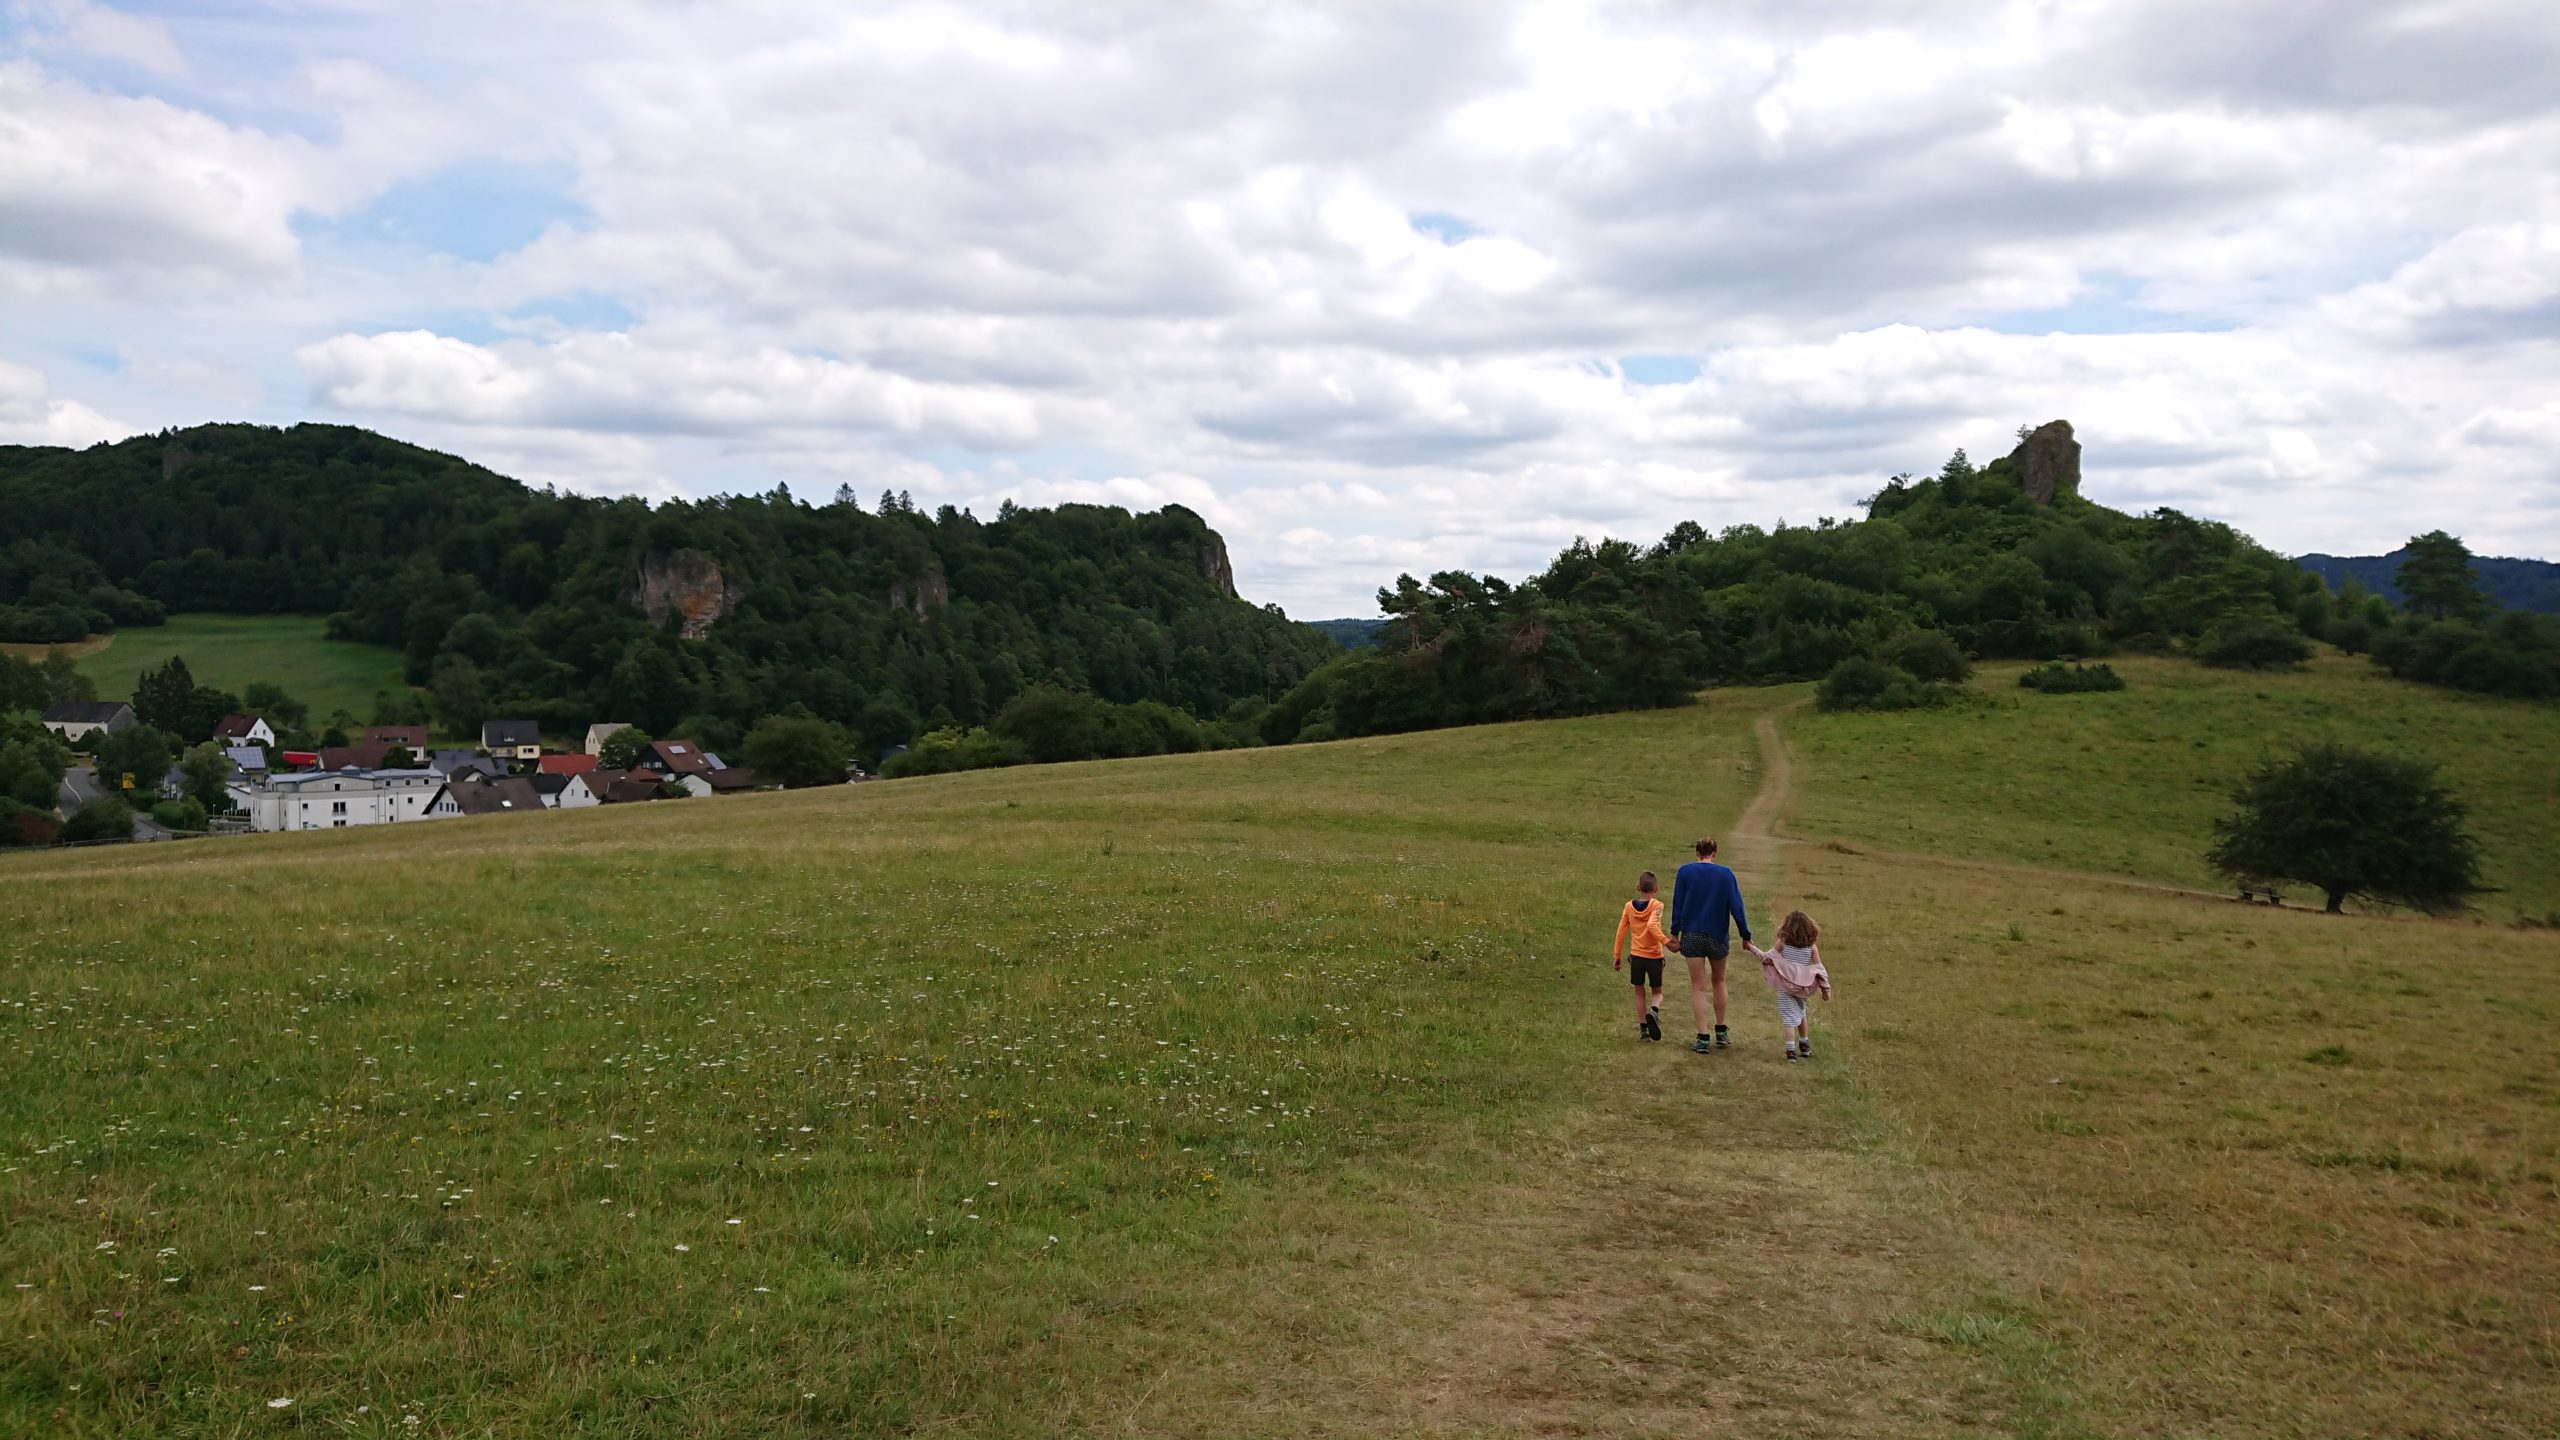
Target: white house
[
  {"x": 80, "y": 722},
  {"x": 564, "y": 792},
  {"x": 336, "y": 799},
  {"x": 602, "y": 731},
  {"x": 244, "y": 730}
]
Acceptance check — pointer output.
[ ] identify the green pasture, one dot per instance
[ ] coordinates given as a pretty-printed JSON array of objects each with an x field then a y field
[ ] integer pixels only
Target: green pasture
[
  {"x": 231, "y": 651},
  {"x": 2129, "y": 782},
  {"x": 1288, "y": 1093}
]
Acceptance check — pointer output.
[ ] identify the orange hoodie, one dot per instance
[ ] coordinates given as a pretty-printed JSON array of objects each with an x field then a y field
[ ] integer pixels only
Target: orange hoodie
[{"x": 1646, "y": 925}]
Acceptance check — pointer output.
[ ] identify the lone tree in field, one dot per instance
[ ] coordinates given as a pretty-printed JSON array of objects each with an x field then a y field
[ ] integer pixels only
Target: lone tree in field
[{"x": 2348, "y": 822}]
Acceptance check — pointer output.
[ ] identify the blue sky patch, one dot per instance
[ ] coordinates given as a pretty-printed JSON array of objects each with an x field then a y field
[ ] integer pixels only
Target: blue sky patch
[
  {"x": 1441, "y": 226},
  {"x": 477, "y": 211},
  {"x": 1658, "y": 369}
]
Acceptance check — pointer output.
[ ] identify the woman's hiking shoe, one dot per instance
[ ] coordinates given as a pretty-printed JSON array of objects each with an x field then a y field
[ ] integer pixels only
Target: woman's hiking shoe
[
  {"x": 1722, "y": 1039},
  {"x": 1704, "y": 1044}
]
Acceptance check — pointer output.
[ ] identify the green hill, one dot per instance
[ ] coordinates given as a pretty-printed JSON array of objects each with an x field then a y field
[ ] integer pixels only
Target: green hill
[
  {"x": 1288, "y": 1092},
  {"x": 568, "y": 609}
]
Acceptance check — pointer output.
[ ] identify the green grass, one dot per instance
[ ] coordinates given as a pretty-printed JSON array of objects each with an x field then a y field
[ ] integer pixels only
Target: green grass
[
  {"x": 1309, "y": 1104},
  {"x": 231, "y": 651},
  {"x": 2130, "y": 782}
]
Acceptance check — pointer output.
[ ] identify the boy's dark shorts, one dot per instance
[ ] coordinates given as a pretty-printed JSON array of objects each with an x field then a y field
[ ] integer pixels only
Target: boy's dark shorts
[
  {"x": 1695, "y": 945},
  {"x": 1645, "y": 972}
]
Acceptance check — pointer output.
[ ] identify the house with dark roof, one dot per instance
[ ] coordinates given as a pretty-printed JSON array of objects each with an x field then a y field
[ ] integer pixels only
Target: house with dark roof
[
  {"x": 626, "y": 787},
  {"x": 80, "y": 721},
  {"x": 563, "y": 792},
  {"x": 674, "y": 757},
  {"x": 509, "y": 795},
  {"x": 244, "y": 730},
  {"x": 367, "y": 756},
  {"x": 512, "y": 739},
  {"x": 450, "y": 763},
  {"x": 412, "y": 738},
  {"x": 734, "y": 780}
]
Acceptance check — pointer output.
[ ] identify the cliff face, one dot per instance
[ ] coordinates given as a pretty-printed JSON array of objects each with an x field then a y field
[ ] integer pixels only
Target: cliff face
[
  {"x": 687, "y": 583},
  {"x": 1214, "y": 565},
  {"x": 929, "y": 591}
]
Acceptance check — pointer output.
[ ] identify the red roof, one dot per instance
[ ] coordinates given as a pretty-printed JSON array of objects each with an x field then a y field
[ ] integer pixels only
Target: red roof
[
  {"x": 304, "y": 759},
  {"x": 567, "y": 763}
]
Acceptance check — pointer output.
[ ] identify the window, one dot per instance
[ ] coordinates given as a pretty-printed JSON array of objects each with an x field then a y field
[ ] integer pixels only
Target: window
[{"x": 337, "y": 807}]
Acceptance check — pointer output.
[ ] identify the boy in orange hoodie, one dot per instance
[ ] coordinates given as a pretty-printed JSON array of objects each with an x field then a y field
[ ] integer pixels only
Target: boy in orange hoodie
[{"x": 1641, "y": 920}]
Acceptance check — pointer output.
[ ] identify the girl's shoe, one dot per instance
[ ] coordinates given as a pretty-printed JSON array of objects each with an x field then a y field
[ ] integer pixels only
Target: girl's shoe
[
  {"x": 1791, "y": 1054},
  {"x": 1804, "y": 1047}
]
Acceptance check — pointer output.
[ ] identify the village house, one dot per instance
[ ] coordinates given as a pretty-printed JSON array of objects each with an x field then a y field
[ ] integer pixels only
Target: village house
[
  {"x": 367, "y": 756},
  {"x": 248, "y": 762},
  {"x": 337, "y": 799},
  {"x": 602, "y": 731},
  {"x": 450, "y": 763},
  {"x": 244, "y": 730},
  {"x": 474, "y": 795},
  {"x": 80, "y": 721},
  {"x": 566, "y": 762},
  {"x": 512, "y": 739},
  {"x": 412, "y": 738},
  {"x": 733, "y": 780},
  {"x": 563, "y": 792}
]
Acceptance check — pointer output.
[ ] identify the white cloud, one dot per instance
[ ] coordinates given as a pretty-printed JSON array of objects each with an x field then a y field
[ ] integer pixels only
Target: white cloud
[
  {"x": 1355, "y": 284},
  {"x": 30, "y": 415}
]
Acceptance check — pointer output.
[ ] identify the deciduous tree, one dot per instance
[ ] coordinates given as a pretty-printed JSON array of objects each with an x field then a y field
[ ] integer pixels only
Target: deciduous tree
[{"x": 2352, "y": 824}]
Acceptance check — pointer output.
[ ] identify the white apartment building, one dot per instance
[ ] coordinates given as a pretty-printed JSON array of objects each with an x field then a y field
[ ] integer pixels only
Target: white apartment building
[{"x": 336, "y": 799}]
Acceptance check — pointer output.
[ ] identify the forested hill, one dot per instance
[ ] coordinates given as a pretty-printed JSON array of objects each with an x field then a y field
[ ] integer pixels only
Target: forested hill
[
  {"x": 569, "y": 609},
  {"x": 2517, "y": 584}
]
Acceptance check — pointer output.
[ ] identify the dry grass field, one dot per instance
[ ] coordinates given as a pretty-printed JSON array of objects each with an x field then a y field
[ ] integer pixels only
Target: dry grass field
[{"x": 1279, "y": 1093}]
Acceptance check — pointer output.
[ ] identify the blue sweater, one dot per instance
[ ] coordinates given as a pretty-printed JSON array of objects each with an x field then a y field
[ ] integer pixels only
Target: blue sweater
[{"x": 1704, "y": 895}]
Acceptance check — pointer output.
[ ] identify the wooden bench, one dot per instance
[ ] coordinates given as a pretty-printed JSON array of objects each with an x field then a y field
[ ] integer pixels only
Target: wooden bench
[{"x": 2252, "y": 894}]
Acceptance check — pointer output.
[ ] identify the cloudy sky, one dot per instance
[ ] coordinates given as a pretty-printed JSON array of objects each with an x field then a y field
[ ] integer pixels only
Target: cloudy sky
[{"x": 1374, "y": 287}]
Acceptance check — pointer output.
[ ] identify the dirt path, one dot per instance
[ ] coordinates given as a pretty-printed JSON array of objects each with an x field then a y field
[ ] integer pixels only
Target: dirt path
[{"x": 1702, "y": 1245}]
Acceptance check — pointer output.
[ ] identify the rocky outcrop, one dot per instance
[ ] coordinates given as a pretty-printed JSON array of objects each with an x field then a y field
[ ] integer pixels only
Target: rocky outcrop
[
  {"x": 1214, "y": 565},
  {"x": 929, "y": 591},
  {"x": 2048, "y": 462},
  {"x": 684, "y": 583}
]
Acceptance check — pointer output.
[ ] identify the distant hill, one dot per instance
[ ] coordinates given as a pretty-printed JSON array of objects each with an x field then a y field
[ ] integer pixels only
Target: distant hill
[
  {"x": 2516, "y": 584},
  {"x": 510, "y": 601},
  {"x": 1350, "y": 634}
]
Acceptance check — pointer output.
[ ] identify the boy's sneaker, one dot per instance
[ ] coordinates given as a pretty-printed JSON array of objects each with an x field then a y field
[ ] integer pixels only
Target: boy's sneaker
[
  {"x": 1704, "y": 1045},
  {"x": 1722, "y": 1039},
  {"x": 1652, "y": 1026}
]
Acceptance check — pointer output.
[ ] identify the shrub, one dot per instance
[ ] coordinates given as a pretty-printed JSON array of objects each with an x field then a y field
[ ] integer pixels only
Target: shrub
[
  {"x": 2251, "y": 644},
  {"x": 796, "y": 751},
  {"x": 186, "y": 815},
  {"x": 104, "y": 818},
  {"x": 1928, "y": 655},
  {"x": 2055, "y": 678},
  {"x": 1858, "y": 683},
  {"x": 938, "y": 752},
  {"x": 1051, "y": 723}
]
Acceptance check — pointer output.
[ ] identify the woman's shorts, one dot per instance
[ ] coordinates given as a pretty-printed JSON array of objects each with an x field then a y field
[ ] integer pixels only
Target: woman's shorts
[{"x": 1645, "y": 971}]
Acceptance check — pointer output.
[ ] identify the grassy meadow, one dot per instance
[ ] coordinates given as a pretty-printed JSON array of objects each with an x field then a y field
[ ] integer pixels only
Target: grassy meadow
[
  {"x": 231, "y": 651},
  {"x": 1282, "y": 1093}
]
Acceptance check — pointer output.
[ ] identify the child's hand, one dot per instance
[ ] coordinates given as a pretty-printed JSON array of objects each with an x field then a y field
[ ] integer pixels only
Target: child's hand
[{"x": 1617, "y": 962}]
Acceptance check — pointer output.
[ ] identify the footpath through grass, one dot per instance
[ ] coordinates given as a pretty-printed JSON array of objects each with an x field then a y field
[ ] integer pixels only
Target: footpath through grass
[{"x": 231, "y": 651}]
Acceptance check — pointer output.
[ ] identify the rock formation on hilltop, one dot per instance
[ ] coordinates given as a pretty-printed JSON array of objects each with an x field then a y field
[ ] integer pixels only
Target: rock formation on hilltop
[
  {"x": 1214, "y": 565},
  {"x": 682, "y": 582},
  {"x": 2048, "y": 462}
]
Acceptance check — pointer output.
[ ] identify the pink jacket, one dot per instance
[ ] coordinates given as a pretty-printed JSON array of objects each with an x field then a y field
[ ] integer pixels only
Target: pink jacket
[{"x": 1795, "y": 970}]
